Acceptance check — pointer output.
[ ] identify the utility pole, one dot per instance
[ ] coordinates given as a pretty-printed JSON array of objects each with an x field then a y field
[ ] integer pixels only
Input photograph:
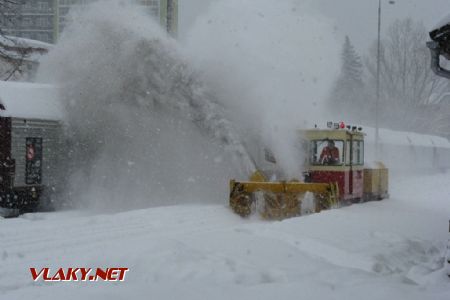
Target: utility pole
[{"x": 377, "y": 103}]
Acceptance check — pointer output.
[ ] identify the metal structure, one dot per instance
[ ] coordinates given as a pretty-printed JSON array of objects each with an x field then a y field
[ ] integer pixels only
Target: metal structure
[
  {"x": 377, "y": 103},
  {"x": 440, "y": 46}
]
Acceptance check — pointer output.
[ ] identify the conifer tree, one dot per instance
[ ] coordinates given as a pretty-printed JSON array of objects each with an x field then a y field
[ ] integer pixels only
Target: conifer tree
[{"x": 349, "y": 86}]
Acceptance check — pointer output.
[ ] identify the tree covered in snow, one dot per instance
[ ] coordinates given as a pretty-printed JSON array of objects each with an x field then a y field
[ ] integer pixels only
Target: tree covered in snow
[
  {"x": 351, "y": 65},
  {"x": 8, "y": 65},
  {"x": 349, "y": 86}
]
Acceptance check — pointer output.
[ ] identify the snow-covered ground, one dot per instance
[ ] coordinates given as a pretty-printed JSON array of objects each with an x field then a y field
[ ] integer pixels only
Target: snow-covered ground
[{"x": 391, "y": 249}]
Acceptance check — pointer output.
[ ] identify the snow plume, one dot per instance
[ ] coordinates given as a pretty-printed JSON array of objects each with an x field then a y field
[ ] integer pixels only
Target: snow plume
[
  {"x": 135, "y": 107},
  {"x": 134, "y": 113},
  {"x": 272, "y": 63}
]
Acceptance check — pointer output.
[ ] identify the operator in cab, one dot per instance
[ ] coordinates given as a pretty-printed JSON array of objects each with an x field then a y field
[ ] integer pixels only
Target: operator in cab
[{"x": 330, "y": 154}]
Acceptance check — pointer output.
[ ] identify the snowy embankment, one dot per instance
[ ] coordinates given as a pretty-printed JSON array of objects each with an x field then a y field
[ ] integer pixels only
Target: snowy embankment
[{"x": 391, "y": 249}]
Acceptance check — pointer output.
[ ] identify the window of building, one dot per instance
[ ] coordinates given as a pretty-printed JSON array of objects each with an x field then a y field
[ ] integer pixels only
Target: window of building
[
  {"x": 42, "y": 36},
  {"x": 27, "y": 6},
  {"x": 43, "y": 6},
  {"x": 27, "y": 22},
  {"x": 26, "y": 35},
  {"x": 42, "y": 22}
]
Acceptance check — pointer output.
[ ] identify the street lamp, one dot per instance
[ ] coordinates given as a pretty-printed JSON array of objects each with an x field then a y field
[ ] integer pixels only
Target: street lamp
[{"x": 377, "y": 103}]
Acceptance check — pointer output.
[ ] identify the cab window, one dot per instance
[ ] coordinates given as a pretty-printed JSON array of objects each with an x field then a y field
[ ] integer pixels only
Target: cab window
[
  {"x": 269, "y": 156},
  {"x": 327, "y": 152},
  {"x": 357, "y": 152}
]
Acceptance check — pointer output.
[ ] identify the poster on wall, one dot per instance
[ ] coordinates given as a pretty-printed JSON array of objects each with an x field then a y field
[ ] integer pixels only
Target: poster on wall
[{"x": 33, "y": 158}]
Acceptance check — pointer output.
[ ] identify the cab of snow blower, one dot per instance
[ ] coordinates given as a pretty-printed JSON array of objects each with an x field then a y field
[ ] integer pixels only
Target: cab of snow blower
[{"x": 335, "y": 175}]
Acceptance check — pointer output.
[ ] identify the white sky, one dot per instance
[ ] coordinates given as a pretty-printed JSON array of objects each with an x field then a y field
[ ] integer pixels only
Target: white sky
[{"x": 357, "y": 18}]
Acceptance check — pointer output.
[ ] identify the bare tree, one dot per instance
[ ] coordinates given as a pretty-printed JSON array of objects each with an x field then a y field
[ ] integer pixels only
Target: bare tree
[
  {"x": 11, "y": 62},
  {"x": 407, "y": 82},
  {"x": 14, "y": 52}
]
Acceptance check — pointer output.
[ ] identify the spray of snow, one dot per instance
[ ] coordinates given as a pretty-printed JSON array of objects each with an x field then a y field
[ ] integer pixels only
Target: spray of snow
[
  {"x": 134, "y": 113},
  {"x": 147, "y": 130},
  {"x": 272, "y": 63}
]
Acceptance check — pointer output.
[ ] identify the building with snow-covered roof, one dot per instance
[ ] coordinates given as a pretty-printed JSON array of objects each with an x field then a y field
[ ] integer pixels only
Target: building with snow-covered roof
[{"x": 30, "y": 142}]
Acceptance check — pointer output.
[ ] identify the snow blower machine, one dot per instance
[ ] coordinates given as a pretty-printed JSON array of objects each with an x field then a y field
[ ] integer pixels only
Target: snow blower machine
[
  {"x": 440, "y": 46},
  {"x": 335, "y": 175}
]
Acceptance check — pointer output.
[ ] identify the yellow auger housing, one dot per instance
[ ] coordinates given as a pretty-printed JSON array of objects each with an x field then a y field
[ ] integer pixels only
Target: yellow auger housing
[{"x": 279, "y": 200}]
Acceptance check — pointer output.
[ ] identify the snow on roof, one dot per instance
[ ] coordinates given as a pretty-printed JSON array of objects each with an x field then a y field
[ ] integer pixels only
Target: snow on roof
[
  {"x": 38, "y": 48},
  {"x": 30, "y": 100},
  {"x": 444, "y": 21},
  {"x": 13, "y": 41}
]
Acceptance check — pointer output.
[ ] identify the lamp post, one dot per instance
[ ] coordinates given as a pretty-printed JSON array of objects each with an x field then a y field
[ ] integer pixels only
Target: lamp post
[{"x": 377, "y": 103}]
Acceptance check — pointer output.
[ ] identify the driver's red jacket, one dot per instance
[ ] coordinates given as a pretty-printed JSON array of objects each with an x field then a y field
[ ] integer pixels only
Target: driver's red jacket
[{"x": 329, "y": 155}]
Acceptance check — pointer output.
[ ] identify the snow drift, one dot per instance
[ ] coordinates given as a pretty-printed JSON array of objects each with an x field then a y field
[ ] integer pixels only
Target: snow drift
[
  {"x": 146, "y": 129},
  {"x": 391, "y": 249}
]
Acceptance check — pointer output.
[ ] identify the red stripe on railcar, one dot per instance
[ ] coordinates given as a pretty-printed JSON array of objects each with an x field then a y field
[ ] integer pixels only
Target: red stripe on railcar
[{"x": 347, "y": 190}]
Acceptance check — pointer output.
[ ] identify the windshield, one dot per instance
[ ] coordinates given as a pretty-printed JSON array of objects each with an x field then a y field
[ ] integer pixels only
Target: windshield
[{"x": 326, "y": 152}]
